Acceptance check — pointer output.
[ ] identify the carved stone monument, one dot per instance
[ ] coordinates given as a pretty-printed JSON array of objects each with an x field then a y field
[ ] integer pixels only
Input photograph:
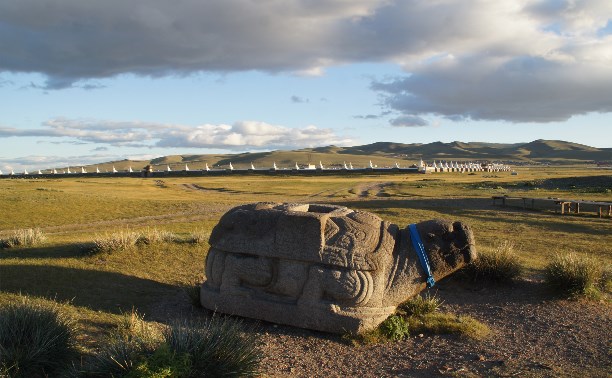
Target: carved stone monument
[{"x": 324, "y": 267}]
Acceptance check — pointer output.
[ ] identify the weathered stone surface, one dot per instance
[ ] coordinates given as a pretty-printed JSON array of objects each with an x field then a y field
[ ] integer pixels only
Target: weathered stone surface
[{"x": 323, "y": 267}]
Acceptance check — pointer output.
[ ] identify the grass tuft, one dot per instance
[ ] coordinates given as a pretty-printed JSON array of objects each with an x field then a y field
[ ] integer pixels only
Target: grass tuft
[
  {"x": 571, "y": 275},
  {"x": 128, "y": 346},
  {"x": 187, "y": 348},
  {"x": 193, "y": 292},
  {"x": 198, "y": 237},
  {"x": 395, "y": 328},
  {"x": 445, "y": 323},
  {"x": 217, "y": 347},
  {"x": 155, "y": 236},
  {"x": 421, "y": 315},
  {"x": 35, "y": 339},
  {"x": 420, "y": 305},
  {"x": 117, "y": 241},
  {"x": 500, "y": 264},
  {"x": 29, "y": 237}
]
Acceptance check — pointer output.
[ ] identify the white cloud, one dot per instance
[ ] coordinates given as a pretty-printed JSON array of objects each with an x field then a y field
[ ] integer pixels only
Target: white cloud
[
  {"x": 35, "y": 162},
  {"x": 239, "y": 136}
]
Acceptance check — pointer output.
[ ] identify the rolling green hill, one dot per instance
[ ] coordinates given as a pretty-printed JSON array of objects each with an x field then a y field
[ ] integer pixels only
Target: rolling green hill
[{"x": 382, "y": 154}]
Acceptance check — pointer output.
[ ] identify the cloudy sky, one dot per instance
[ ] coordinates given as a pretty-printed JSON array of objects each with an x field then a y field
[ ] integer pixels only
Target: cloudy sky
[{"x": 89, "y": 81}]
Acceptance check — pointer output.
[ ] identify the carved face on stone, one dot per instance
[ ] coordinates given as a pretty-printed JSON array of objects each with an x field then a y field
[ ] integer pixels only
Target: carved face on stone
[{"x": 449, "y": 245}]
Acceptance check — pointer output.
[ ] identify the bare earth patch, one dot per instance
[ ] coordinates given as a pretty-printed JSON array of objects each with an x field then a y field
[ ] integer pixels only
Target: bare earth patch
[{"x": 533, "y": 335}]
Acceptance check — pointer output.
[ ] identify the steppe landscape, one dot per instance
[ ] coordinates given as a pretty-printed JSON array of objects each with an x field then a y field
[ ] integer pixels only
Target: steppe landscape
[{"x": 532, "y": 331}]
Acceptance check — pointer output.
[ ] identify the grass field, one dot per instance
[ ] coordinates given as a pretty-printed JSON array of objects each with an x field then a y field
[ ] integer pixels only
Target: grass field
[{"x": 97, "y": 288}]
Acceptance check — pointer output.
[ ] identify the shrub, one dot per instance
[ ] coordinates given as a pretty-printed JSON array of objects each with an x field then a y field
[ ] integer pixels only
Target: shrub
[
  {"x": 128, "y": 346},
  {"x": 395, "y": 328},
  {"x": 219, "y": 347},
  {"x": 155, "y": 236},
  {"x": 125, "y": 239},
  {"x": 421, "y": 315},
  {"x": 28, "y": 237},
  {"x": 114, "y": 242},
  {"x": 420, "y": 305},
  {"x": 498, "y": 265},
  {"x": 193, "y": 292},
  {"x": 572, "y": 275},
  {"x": 198, "y": 237},
  {"x": 35, "y": 339}
]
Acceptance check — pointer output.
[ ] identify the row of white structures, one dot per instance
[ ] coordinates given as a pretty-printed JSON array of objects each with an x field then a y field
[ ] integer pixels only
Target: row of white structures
[
  {"x": 422, "y": 167},
  {"x": 463, "y": 167}
]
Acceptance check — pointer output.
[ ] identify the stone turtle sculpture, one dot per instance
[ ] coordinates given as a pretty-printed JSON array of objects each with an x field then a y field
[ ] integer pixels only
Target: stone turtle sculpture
[{"x": 323, "y": 267}]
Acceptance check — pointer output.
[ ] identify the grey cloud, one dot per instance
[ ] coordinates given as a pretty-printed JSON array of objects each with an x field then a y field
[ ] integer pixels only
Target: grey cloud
[
  {"x": 523, "y": 89},
  {"x": 367, "y": 116},
  {"x": 299, "y": 100},
  {"x": 69, "y": 40},
  {"x": 478, "y": 59},
  {"x": 409, "y": 121}
]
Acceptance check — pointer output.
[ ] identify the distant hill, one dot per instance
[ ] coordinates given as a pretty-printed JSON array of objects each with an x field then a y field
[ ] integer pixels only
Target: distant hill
[{"x": 384, "y": 154}]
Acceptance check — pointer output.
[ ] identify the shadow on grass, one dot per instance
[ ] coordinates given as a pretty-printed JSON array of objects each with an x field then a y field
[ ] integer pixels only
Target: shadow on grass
[
  {"x": 97, "y": 290},
  {"x": 47, "y": 252}
]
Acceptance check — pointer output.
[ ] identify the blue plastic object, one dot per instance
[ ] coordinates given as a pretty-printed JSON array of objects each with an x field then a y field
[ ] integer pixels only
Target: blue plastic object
[{"x": 420, "y": 251}]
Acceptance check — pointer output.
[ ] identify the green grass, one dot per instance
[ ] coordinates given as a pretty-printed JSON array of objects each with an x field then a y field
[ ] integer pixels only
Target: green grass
[
  {"x": 74, "y": 212},
  {"x": 500, "y": 264},
  {"x": 418, "y": 316},
  {"x": 572, "y": 276},
  {"x": 36, "y": 339},
  {"x": 218, "y": 347}
]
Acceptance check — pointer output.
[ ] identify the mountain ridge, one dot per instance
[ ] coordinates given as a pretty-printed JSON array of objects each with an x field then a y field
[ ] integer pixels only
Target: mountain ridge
[{"x": 388, "y": 153}]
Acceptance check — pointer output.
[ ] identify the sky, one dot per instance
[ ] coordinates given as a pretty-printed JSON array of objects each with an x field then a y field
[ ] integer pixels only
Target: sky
[{"x": 85, "y": 81}]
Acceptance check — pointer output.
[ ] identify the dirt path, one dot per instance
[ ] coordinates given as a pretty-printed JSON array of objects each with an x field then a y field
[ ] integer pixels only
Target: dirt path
[{"x": 366, "y": 190}]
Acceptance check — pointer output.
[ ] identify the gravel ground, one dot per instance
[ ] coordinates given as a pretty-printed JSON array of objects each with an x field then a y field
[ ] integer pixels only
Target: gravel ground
[{"x": 534, "y": 335}]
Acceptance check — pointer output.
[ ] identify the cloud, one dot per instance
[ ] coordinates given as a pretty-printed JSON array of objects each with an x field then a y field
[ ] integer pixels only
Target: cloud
[
  {"x": 35, "y": 162},
  {"x": 250, "y": 135},
  {"x": 238, "y": 136},
  {"x": 409, "y": 121},
  {"x": 513, "y": 60},
  {"x": 299, "y": 100}
]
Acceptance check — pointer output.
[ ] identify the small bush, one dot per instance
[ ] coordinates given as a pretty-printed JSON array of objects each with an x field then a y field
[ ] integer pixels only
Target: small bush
[
  {"x": 193, "y": 292},
  {"x": 125, "y": 239},
  {"x": 572, "y": 275},
  {"x": 198, "y": 237},
  {"x": 35, "y": 339},
  {"x": 219, "y": 347},
  {"x": 118, "y": 241},
  {"x": 420, "y": 305},
  {"x": 395, "y": 328},
  {"x": 28, "y": 237},
  {"x": 127, "y": 348},
  {"x": 421, "y": 315},
  {"x": 155, "y": 236},
  {"x": 498, "y": 265}
]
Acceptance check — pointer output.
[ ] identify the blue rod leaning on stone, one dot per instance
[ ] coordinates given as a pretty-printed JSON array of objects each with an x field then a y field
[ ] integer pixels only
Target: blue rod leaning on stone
[{"x": 324, "y": 267}]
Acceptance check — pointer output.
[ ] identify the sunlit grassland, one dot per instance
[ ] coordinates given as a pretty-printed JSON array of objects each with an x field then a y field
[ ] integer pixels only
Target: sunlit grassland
[{"x": 74, "y": 211}]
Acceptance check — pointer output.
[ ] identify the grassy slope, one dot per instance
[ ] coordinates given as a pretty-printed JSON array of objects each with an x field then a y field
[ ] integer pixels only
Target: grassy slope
[
  {"x": 75, "y": 211},
  {"x": 383, "y": 154}
]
